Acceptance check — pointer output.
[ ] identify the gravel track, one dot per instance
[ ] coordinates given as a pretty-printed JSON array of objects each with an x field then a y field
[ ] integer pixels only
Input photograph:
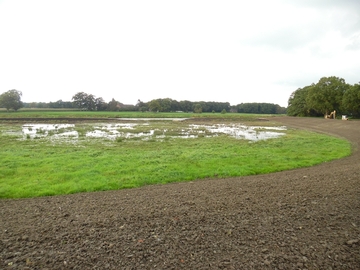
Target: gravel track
[{"x": 299, "y": 219}]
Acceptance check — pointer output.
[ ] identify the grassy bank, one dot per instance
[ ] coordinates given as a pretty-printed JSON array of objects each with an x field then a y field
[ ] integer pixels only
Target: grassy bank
[{"x": 41, "y": 167}]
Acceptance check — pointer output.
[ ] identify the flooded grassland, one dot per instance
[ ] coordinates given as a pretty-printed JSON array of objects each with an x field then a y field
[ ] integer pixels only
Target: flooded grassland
[
  {"x": 39, "y": 159},
  {"x": 146, "y": 130}
]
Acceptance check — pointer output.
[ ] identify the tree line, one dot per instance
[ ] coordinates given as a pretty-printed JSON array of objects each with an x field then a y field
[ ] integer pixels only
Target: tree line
[
  {"x": 171, "y": 105},
  {"x": 260, "y": 108},
  {"x": 328, "y": 94},
  {"x": 11, "y": 100}
]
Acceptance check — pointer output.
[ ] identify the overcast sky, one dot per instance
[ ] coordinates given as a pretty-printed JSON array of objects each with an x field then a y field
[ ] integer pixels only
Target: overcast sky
[{"x": 197, "y": 50}]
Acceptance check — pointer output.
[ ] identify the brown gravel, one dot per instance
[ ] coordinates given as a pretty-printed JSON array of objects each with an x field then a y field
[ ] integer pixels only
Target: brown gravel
[{"x": 300, "y": 219}]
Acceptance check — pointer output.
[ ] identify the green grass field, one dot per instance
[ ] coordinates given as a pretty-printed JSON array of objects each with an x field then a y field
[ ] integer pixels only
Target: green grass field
[
  {"x": 42, "y": 167},
  {"x": 46, "y": 113}
]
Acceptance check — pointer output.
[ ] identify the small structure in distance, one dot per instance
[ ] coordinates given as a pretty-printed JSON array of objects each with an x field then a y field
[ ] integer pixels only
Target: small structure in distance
[{"x": 332, "y": 115}]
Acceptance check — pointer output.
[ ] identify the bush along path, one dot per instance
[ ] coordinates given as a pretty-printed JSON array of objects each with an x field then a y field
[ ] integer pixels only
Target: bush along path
[{"x": 299, "y": 219}]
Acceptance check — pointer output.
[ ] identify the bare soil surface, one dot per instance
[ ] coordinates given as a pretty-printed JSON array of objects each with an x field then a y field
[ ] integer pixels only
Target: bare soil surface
[{"x": 300, "y": 219}]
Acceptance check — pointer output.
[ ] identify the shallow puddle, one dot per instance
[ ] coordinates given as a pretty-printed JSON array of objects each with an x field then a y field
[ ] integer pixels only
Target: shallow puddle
[
  {"x": 45, "y": 130},
  {"x": 251, "y": 133}
]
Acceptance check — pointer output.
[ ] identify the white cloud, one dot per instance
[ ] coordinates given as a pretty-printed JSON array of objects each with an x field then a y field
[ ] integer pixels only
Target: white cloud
[{"x": 232, "y": 51}]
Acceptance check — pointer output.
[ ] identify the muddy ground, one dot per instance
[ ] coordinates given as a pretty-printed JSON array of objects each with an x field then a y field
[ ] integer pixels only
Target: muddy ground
[{"x": 300, "y": 219}]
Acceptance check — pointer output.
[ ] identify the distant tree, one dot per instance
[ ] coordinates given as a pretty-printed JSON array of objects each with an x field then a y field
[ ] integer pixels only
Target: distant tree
[
  {"x": 11, "y": 100},
  {"x": 141, "y": 106},
  {"x": 40, "y": 105},
  {"x": 225, "y": 105},
  {"x": 154, "y": 105},
  {"x": 165, "y": 104},
  {"x": 204, "y": 106},
  {"x": 297, "y": 105},
  {"x": 113, "y": 105},
  {"x": 56, "y": 105},
  {"x": 175, "y": 106},
  {"x": 100, "y": 104},
  {"x": 216, "y": 106},
  {"x": 67, "y": 104},
  {"x": 280, "y": 110},
  {"x": 267, "y": 108},
  {"x": 351, "y": 100},
  {"x": 197, "y": 108},
  {"x": 30, "y": 105},
  {"x": 248, "y": 108},
  {"x": 84, "y": 101},
  {"x": 185, "y": 106},
  {"x": 258, "y": 108},
  {"x": 327, "y": 94},
  {"x": 251, "y": 107},
  {"x": 128, "y": 108}
]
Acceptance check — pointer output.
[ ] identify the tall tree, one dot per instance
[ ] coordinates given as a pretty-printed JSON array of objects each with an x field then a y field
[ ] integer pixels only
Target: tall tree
[
  {"x": 327, "y": 94},
  {"x": 113, "y": 105},
  {"x": 351, "y": 100},
  {"x": 11, "y": 100},
  {"x": 185, "y": 105},
  {"x": 141, "y": 106},
  {"x": 84, "y": 101},
  {"x": 154, "y": 105},
  {"x": 297, "y": 105},
  {"x": 100, "y": 104},
  {"x": 165, "y": 104}
]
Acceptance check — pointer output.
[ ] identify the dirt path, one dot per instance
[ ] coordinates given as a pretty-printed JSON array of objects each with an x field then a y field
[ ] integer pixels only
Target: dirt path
[{"x": 300, "y": 219}]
